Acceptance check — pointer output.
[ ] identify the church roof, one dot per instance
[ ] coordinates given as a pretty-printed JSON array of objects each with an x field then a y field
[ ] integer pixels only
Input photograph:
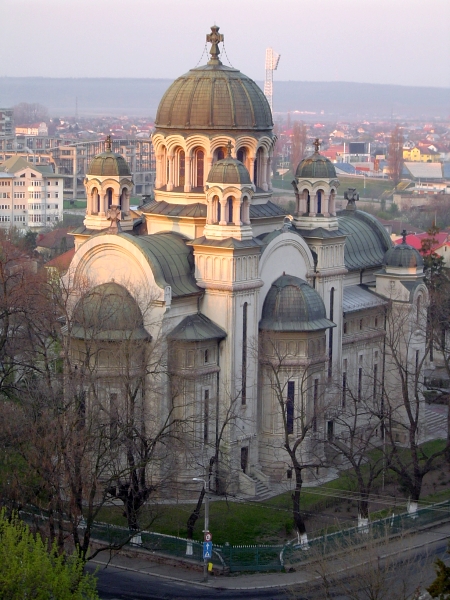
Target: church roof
[
  {"x": 107, "y": 312},
  {"x": 315, "y": 166},
  {"x": 367, "y": 240},
  {"x": 170, "y": 259},
  {"x": 229, "y": 170},
  {"x": 196, "y": 328},
  {"x": 198, "y": 209},
  {"x": 214, "y": 96},
  {"x": 109, "y": 164},
  {"x": 357, "y": 297},
  {"x": 293, "y": 305}
]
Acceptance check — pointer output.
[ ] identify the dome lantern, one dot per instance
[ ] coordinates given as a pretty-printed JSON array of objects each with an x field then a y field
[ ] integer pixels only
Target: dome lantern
[{"x": 315, "y": 186}]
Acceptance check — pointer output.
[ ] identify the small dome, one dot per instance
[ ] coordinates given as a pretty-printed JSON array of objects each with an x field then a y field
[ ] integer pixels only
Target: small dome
[
  {"x": 403, "y": 255},
  {"x": 293, "y": 305},
  {"x": 229, "y": 170},
  {"x": 315, "y": 166},
  {"x": 109, "y": 163},
  {"x": 108, "y": 312}
]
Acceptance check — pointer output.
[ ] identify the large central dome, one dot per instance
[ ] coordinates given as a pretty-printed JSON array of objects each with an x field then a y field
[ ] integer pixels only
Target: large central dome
[{"x": 214, "y": 97}]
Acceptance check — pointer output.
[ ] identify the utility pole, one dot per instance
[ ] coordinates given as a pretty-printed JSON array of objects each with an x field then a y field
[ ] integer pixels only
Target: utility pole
[{"x": 272, "y": 60}]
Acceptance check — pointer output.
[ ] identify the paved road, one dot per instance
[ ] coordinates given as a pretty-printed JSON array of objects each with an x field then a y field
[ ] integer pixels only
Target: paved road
[{"x": 405, "y": 565}]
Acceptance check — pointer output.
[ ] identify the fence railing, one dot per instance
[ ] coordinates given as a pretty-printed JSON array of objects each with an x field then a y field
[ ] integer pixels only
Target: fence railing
[{"x": 268, "y": 557}]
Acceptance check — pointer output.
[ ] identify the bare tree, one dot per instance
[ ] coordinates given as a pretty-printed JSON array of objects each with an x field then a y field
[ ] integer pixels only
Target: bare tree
[
  {"x": 395, "y": 155},
  {"x": 28, "y": 114},
  {"x": 298, "y": 422},
  {"x": 298, "y": 143}
]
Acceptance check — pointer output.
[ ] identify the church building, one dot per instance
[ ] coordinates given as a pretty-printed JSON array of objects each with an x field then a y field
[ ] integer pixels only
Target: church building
[{"x": 229, "y": 291}]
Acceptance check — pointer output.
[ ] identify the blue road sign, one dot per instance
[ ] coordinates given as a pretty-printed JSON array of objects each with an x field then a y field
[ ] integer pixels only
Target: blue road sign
[{"x": 207, "y": 549}]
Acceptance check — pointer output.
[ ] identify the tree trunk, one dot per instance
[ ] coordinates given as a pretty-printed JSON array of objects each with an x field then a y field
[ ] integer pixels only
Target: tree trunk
[
  {"x": 298, "y": 519},
  {"x": 195, "y": 515}
]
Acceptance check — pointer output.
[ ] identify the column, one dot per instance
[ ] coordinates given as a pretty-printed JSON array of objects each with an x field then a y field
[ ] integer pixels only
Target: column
[
  {"x": 269, "y": 173},
  {"x": 303, "y": 207},
  {"x": 263, "y": 168},
  {"x": 210, "y": 211},
  {"x": 159, "y": 179},
  {"x": 223, "y": 210},
  {"x": 89, "y": 203},
  {"x": 246, "y": 212},
  {"x": 170, "y": 178},
  {"x": 252, "y": 168},
  {"x": 237, "y": 212},
  {"x": 208, "y": 165},
  {"x": 332, "y": 204},
  {"x": 187, "y": 174},
  {"x": 103, "y": 202}
]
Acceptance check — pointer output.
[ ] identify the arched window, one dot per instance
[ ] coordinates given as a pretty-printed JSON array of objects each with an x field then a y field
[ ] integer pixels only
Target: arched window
[
  {"x": 215, "y": 209},
  {"x": 242, "y": 155},
  {"x": 181, "y": 168},
  {"x": 319, "y": 202},
  {"x": 109, "y": 197},
  {"x": 219, "y": 154},
  {"x": 199, "y": 168},
  {"x": 95, "y": 201},
  {"x": 229, "y": 210},
  {"x": 308, "y": 201}
]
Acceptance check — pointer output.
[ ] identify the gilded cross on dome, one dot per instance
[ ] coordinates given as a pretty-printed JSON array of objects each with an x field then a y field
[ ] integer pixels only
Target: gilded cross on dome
[
  {"x": 404, "y": 234},
  {"x": 108, "y": 143},
  {"x": 229, "y": 148},
  {"x": 317, "y": 144},
  {"x": 214, "y": 38}
]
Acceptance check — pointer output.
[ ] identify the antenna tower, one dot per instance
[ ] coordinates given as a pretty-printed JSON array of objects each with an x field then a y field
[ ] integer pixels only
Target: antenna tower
[{"x": 272, "y": 60}]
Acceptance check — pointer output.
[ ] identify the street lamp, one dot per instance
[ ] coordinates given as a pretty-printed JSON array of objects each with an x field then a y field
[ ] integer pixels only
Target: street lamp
[{"x": 206, "y": 526}]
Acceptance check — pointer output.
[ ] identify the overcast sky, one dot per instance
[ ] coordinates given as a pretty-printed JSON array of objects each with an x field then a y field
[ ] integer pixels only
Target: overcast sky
[{"x": 384, "y": 41}]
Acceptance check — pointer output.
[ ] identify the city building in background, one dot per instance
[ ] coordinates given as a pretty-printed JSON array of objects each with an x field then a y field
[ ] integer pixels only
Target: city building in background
[{"x": 31, "y": 196}]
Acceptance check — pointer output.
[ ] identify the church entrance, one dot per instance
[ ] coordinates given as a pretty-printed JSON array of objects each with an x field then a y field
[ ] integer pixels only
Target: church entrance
[{"x": 244, "y": 459}]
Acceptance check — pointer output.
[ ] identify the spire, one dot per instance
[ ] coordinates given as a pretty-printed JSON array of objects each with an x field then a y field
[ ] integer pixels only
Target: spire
[
  {"x": 214, "y": 38},
  {"x": 108, "y": 144},
  {"x": 317, "y": 145},
  {"x": 404, "y": 234}
]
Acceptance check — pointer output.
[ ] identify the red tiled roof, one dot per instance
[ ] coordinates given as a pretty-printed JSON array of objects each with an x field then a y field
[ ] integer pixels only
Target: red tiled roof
[
  {"x": 415, "y": 239},
  {"x": 62, "y": 262},
  {"x": 52, "y": 240}
]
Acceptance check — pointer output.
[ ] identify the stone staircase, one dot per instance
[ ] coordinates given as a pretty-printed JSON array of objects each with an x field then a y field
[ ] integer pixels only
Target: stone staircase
[
  {"x": 436, "y": 419},
  {"x": 262, "y": 491}
]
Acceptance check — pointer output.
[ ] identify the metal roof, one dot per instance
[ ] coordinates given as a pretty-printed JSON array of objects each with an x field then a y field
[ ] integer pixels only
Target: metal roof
[
  {"x": 170, "y": 259},
  {"x": 269, "y": 209},
  {"x": 420, "y": 170},
  {"x": 109, "y": 163},
  {"x": 196, "y": 328},
  {"x": 214, "y": 97},
  {"x": 367, "y": 240},
  {"x": 315, "y": 166},
  {"x": 293, "y": 305},
  {"x": 229, "y": 170},
  {"x": 175, "y": 210},
  {"x": 356, "y": 297}
]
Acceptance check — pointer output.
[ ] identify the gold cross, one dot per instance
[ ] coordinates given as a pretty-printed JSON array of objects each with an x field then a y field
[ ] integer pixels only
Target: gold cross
[
  {"x": 214, "y": 38},
  {"x": 317, "y": 144}
]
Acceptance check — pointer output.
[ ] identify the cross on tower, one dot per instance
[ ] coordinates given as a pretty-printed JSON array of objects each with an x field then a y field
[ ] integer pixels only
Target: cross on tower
[
  {"x": 108, "y": 143},
  {"x": 229, "y": 148},
  {"x": 214, "y": 38},
  {"x": 317, "y": 144},
  {"x": 404, "y": 234}
]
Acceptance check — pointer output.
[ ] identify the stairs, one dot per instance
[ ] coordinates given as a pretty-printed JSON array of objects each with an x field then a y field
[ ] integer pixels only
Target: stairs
[
  {"x": 436, "y": 420},
  {"x": 262, "y": 491}
]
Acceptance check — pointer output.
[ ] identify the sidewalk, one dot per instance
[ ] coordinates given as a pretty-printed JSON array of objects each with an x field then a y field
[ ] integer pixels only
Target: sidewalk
[{"x": 148, "y": 564}]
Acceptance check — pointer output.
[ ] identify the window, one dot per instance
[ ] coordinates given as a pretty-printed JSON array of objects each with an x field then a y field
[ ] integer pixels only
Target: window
[
  {"x": 345, "y": 326},
  {"x": 344, "y": 389},
  {"x": 359, "y": 383},
  {"x": 330, "y": 335},
  {"x": 361, "y": 324},
  {"x": 205, "y": 415},
  {"x": 206, "y": 356},
  {"x": 48, "y": 195},
  {"x": 5, "y": 219},
  {"x": 244, "y": 354},
  {"x": 376, "y": 321},
  {"x": 290, "y": 406},
  {"x": 375, "y": 380},
  {"x": 330, "y": 431},
  {"x": 315, "y": 403},
  {"x": 56, "y": 195},
  {"x": 55, "y": 183}
]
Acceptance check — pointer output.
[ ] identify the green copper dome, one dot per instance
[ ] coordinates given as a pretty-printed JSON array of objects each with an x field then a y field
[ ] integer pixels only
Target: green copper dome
[
  {"x": 108, "y": 312},
  {"x": 403, "y": 255},
  {"x": 109, "y": 163},
  {"x": 293, "y": 305},
  {"x": 315, "y": 166},
  {"x": 229, "y": 170}
]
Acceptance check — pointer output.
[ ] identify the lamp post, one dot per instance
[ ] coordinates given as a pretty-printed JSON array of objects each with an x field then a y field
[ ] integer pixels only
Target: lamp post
[{"x": 206, "y": 526}]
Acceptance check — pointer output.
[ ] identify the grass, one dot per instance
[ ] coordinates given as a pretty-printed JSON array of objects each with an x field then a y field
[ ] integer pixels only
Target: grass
[
  {"x": 67, "y": 204},
  {"x": 247, "y": 522},
  {"x": 374, "y": 188}
]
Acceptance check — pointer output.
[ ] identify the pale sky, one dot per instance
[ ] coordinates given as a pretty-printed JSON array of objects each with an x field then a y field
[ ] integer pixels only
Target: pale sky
[{"x": 403, "y": 42}]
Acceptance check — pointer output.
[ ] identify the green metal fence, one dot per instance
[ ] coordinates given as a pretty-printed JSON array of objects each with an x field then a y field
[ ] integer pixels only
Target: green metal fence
[{"x": 267, "y": 557}]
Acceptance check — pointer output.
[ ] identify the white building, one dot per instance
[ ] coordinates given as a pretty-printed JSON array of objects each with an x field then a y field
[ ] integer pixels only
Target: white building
[
  {"x": 30, "y": 195},
  {"x": 233, "y": 285}
]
